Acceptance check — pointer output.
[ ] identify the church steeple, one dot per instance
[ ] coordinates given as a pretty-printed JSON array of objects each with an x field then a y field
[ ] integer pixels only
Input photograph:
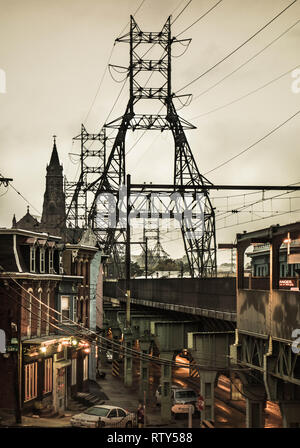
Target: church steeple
[
  {"x": 54, "y": 165},
  {"x": 54, "y": 207},
  {"x": 54, "y": 161}
]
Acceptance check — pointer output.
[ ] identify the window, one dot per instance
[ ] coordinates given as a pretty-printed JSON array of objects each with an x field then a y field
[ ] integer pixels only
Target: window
[
  {"x": 51, "y": 257},
  {"x": 61, "y": 267},
  {"x": 42, "y": 260},
  {"x": 75, "y": 299},
  {"x": 47, "y": 375},
  {"x": 30, "y": 381},
  {"x": 65, "y": 307},
  {"x": 74, "y": 371},
  {"x": 32, "y": 258},
  {"x": 121, "y": 413},
  {"x": 113, "y": 413},
  {"x": 85, "y": 368}
]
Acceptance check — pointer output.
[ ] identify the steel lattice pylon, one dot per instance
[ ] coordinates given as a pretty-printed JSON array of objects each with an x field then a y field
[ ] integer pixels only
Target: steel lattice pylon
[
  {"x": 200, "y": 250},
  {"x": 92, "y": 162}
]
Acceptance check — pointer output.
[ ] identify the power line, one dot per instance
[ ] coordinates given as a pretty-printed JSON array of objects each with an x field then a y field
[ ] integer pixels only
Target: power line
[
  {"x": 253, "y": 144},
  {"x": 261, "y": 200},
  {"x": 237, "y": 48},
  {"x": 177, "y": 17},
  {"x": 23, "y": 197},
  {"x": 259, "y": 219},
  {"x": 126, "y": 349},
  {"x": 136, "y": 11},
  {"x": 100, "y": 83},
  {"x": 244, "y": 96},
  {"x": 201, "y": 17},
  {"x": 246, "y": 62},
  {"x": 106, "y": 67}
]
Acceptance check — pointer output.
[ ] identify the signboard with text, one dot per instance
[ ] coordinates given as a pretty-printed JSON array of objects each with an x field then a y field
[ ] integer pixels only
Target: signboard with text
[
  {"x": 182, "y": 408},
  {"x": 200, "y": 403}
]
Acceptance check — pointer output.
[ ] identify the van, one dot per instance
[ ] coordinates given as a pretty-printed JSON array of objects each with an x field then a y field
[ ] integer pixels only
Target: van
[{"x": 179, "y": 395}]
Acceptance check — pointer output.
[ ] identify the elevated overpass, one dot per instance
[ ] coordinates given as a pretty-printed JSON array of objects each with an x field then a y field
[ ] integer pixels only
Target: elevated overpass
[
  {"x": 247, "y": 327},
  {"x": 208, "y": 297}
]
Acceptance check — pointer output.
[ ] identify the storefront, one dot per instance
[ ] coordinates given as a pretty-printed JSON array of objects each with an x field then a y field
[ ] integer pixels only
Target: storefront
[{"x": 54, "y": 368}]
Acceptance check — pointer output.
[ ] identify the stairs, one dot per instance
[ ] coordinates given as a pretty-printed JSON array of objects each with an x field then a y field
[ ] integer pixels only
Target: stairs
[{"x": 84, "y": 400}]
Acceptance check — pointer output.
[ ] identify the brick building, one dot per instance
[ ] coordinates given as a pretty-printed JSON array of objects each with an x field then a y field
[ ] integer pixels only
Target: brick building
[{"x": 45, "y": 287}]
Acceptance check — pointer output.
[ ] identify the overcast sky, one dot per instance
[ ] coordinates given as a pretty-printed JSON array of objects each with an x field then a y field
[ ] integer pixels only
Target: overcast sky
[{"x": 54, "y": 54}]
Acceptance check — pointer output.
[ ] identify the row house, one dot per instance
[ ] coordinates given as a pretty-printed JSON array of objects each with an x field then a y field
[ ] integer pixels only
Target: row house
[{"x": 44, "y": 286}]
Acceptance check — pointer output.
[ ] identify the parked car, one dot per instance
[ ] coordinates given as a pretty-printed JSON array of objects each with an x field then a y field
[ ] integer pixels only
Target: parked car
[
  {"x": 179, "y": 395},
  {"x": 109, "y": 356},
  {"x": 106, "y": 416}
]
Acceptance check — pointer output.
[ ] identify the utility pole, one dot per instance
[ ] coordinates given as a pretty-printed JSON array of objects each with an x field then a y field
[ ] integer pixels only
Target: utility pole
[
  {"x": 146, "y": 257},
  {"x": 18, "y": 371},
  {"x": 127, "y": 253}
]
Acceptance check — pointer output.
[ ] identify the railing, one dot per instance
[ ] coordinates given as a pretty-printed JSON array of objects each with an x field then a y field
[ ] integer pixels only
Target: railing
[{"x": 217, "y": 294}]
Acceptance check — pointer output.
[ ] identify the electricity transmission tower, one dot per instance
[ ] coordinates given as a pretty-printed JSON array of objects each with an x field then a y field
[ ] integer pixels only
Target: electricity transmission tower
[
  {"x": 200, "y": 249},
  {"x": 80, "y": 194}
]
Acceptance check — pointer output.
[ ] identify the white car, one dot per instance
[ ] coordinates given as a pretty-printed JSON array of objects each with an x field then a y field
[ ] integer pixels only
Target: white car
[
  {"x": 104, "y": 416},
  {"x": 179, "y": 395}
]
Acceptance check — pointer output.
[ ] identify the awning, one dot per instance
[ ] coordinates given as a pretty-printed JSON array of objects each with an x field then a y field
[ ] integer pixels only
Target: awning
[
  {"x": 45, "y": 339},
  {"x": 61, "y": 364}
]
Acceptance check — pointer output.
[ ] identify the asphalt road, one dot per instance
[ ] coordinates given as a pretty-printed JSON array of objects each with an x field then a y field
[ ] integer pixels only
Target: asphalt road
[{"x": 228, "y": 414}]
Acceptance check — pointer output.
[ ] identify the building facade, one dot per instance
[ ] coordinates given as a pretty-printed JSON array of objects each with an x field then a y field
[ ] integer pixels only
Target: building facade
[
  {"x": 37, "y": 371},
  {"x": 46, "y": 309}
]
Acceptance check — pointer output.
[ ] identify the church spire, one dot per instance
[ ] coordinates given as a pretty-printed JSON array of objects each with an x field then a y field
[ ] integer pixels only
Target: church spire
[
  {"x": 54, "y": 161},
  {"x": 54, "y": 207}
]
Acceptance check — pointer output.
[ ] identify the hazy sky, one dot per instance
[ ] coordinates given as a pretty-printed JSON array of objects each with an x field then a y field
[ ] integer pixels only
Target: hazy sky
[{"x": 54, "y": 54}]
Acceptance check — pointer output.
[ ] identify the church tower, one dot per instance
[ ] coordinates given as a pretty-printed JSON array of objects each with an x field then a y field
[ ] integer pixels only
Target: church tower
[{"x": 54, "y": 206}]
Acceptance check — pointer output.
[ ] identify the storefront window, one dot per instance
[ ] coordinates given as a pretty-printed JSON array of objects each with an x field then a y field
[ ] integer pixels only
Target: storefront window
[
  {"x": 85, "y": 368},
  {"x": 74, "y": 371},
  {"x": 30, "y": 381},
  {"x": 47, "y": 375}
]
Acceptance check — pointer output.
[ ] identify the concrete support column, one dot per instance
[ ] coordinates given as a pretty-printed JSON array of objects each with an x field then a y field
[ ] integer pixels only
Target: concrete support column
[
  {"x": 144, "y": 370},
  {"x": 290, "y": 411},
  {"x": 236, "y": 388},
  {"x": 255, "y": 405},
  {"x": 128, "y": 358},
  {"x": 255, "y": 413},
  {"x": 240, "y": 265},
  {"x": 116, "y": 333},
  {"x": 274, "y": 263},
  {"x": 207, "y": 390},
  {"x": 166, "y": 384}
]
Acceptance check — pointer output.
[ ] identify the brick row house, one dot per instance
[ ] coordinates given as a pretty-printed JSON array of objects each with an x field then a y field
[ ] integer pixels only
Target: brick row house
[
  {"x": 53, "y": 354},
  {"x": 47, "y": 356}
]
